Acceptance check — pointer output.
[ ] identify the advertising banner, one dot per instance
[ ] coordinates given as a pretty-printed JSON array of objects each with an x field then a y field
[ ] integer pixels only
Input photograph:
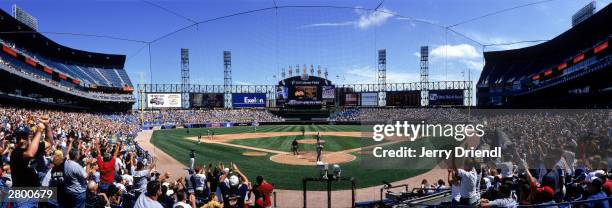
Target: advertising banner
[
  {"x": 282, "y": 93},
  {"x": 446, "y": 97},
  {"x": 249, "y": 100},
  {"x": 164, "y": 100},
  {"x": 369, "y": 99},
  {"x": 329, "y": 92}
]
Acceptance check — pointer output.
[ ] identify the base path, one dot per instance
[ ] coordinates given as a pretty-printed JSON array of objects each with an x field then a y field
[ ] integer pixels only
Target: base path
[
  {"x": 164, "y": 162},
  {"x": 245, "y": 147},
  {"x": 310, "y": 141}
]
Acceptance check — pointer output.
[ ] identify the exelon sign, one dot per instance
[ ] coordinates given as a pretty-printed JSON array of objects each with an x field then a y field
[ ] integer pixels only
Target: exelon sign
[{"x": 249, "y": 100}]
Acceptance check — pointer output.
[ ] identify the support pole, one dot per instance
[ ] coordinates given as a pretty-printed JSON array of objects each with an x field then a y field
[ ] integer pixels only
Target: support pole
[
  {"x": 353, "y": 186},
  {"x": 304, "y": 181},
  {"x": 329, "y": 193}
]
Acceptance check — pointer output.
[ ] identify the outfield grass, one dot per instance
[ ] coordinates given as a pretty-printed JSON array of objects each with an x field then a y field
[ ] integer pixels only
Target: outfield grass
[
  {"x": 283, "y": 176},
  {"x": 274, "y": 128},
  {"x": 283, "y": 143}
]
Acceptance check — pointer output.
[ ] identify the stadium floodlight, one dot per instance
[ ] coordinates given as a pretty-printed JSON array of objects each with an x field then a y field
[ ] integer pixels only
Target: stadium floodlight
[
  {"x": 25, "y": 17},
  {"x": 584, "y": 13}
]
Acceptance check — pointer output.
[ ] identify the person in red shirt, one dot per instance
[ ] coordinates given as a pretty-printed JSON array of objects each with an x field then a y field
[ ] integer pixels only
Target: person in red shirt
[
  {"x": 608, "y": 186},
  {"x": 263, "y": 192},
  {"x": 106, "y": 165},
  {"x": 539, "y": 195}
]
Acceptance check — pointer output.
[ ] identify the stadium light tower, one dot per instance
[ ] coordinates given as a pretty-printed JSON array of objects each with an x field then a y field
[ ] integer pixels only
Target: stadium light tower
[
  {"x": 382, "y": 77},
  {"x": 326, "y": 73},
  {"x": 283, "y": 74},
  {"x": 227, "y": 78},
  {"x": 424, "y": 75},
  {"x": 185, "y": 77}
]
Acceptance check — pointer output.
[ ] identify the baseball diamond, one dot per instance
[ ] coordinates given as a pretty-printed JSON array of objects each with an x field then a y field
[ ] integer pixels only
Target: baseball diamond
[{"x": 298, "y": 103}]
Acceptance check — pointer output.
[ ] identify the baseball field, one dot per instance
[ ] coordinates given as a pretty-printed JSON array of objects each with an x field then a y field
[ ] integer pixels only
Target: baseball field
[{"x": 266, "y": 151}]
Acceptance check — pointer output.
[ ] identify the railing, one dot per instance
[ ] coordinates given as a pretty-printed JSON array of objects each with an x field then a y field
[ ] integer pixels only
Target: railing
[
  {"x": 560, "y": 204},
  {"x": 389, "y": 186}
]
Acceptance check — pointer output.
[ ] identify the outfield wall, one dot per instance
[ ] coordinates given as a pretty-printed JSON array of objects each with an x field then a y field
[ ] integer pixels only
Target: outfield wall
[{"x": 232, "y": 124}]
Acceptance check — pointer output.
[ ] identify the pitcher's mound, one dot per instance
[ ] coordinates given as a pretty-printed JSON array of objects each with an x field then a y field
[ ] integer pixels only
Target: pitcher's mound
[
  {"x": 254, "y": 154},
  {"x": 310, "y": 158},
  {"x": 309, "y": 141}
]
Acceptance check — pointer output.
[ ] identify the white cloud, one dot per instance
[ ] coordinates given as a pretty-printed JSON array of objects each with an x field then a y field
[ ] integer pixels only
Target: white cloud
[
  {"x": 374, "y": 18},
  {"x": 365, "y": 20},
  {"x": 473, "y": 64},
  {"x": 328, "y": 24},
  {"x": 418, "y": 20},
  {"x": 460, "y": 51},
  {"x": 359, "y": 75}
]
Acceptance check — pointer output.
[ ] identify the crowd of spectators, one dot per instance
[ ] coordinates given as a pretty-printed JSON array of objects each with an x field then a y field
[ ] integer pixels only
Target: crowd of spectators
[
  {"x": 91, "y": 160},
  {"x": 549, "y": 156},
  {"x": 207, "y": 116},
  {"x": 397, "y": 114}
]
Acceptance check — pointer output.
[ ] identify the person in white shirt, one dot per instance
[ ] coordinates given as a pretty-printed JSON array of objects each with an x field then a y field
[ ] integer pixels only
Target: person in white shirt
[
  {"x": 455, "y": 183},
  {"x": 469, "y": 183}
]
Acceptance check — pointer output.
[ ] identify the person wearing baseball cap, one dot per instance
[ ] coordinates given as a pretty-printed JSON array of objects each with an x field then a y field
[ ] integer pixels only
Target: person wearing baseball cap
[
  {"x": 25, "y": 150},
  {"x": 234, "y": 187},
  {"x": 596, "y": 192},
  {"x": 57, "y": 176}
]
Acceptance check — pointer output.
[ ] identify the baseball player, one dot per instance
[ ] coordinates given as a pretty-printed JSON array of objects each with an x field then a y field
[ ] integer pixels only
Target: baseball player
[
  {"x": 191, "y": 159},
  {"x": 294, "y": 147},
  {"x": 319, "y": 152}
]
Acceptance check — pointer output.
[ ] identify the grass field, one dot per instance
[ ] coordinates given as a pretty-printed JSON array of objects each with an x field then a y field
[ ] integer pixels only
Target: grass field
[
  {"x": 275, "y": 128},
  {"x": 174, "y": 143},
  {"x": 283, "y": 143}
]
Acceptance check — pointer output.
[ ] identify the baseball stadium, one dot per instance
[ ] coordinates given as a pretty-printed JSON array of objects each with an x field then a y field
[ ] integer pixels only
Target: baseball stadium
[{"x": 275, "y": 103}]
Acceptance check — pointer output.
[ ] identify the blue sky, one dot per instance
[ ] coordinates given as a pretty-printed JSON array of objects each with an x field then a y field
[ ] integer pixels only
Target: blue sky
[{"x": 342, "y": 40}]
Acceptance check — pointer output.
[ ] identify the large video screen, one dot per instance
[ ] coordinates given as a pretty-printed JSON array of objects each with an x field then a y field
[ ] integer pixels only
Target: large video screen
[
  {"x": 164, "y": 100},
  {"x": 305, "y": 93},
  {"x": 249, "y": 100},
  {"x": 206, "y": 100},
  {"x": 405, "y": 98}
]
